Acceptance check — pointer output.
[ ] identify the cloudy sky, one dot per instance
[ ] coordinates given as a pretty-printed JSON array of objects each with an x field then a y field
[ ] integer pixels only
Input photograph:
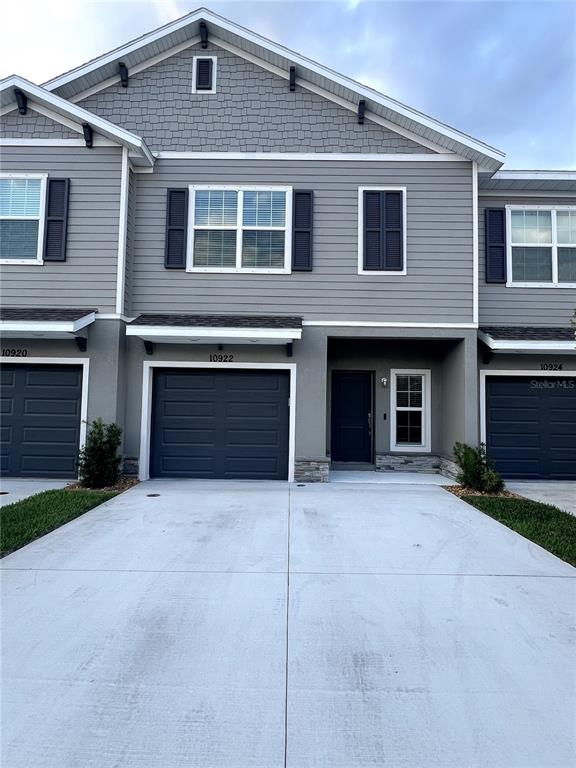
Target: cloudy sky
[{"x": 503, "y": 71}]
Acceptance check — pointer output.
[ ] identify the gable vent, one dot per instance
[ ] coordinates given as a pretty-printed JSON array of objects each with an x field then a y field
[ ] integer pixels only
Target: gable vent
[{"x": 204, "y": 74}]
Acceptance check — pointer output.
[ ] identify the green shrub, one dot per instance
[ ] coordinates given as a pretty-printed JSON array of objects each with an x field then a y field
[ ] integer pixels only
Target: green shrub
[
  {"x": 476, "y": 469},
  {"x": 98, "y": 461}
]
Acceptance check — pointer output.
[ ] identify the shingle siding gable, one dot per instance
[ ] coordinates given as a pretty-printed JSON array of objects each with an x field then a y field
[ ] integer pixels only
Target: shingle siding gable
[
  {"x": 252, "y": 110},
  {"x": 33, "y": 125}
]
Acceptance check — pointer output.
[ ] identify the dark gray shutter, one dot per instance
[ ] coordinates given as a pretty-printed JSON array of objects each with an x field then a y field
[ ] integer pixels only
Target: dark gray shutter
[
  {"x": 302, "y": 217},
  {"x": 373, "y": 256},
  {"x": 56, "y": 224},
  {"x": 204, "y": 74},
  {"x": 393, "y": 235},
  {"x": 495, "y": 242},
  {"x": 383, "y": 231},
  {"x": 176, "y": 228}
]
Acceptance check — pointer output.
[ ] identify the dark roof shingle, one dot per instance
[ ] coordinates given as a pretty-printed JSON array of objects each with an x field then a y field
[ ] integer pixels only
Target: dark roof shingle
[
  {"x": 528, "y": 333},
  {"x": 42, "y": 314},
  {"x": 219, "y": 321}
]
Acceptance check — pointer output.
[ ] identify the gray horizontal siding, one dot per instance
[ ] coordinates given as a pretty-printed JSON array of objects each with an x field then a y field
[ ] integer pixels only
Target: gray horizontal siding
[
  {"x": 253, "y": 110},
  {"x": 88, "y": 276},
  {"x": 33, "y": 125},
  {"x": 500, "y": 305},
  {"x": 438, "y": 287}
]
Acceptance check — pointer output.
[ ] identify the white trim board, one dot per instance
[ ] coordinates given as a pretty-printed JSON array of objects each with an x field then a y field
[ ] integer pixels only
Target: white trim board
[
  {"x": 526, "y": 345},
  {"x": 47, "y": 326},
  {"x": 146, "y": 416},
  {"x": 475, "y": 253},
  {"x": 484, "y": 373},
  {"x": 83, "y": 361},
  {"x": 426, "y": 411},
  {"x": 122, "y": 232},
  {"x": 313, "y": 156},
  {"x": 215, "y": 21},
  {"x": 271, "y": 335}
]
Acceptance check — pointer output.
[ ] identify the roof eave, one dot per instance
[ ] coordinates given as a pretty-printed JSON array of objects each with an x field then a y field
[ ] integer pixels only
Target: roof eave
[
  {"x": 488, "y": 158},
  {"x": 140, "y": 153}
]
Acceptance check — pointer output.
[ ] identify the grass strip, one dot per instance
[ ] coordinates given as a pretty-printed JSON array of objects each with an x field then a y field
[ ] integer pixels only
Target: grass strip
[
  {"x": 26, "y": 520},
  {"x": 543, "y": 524}
]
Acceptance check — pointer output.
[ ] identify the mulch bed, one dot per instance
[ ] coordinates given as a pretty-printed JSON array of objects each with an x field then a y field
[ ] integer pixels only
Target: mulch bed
[
  {"x": 460, "y": 490},
  {"x": 123, "y": 484}
]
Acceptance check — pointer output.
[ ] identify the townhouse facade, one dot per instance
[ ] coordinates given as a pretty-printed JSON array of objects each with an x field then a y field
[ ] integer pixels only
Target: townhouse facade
[{"x": 261, "y": 269}]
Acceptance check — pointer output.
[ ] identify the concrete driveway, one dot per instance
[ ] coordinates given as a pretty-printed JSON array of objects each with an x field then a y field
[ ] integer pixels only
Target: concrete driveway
[
  {"x": 560, "y": 494},
  {"x": 168, "y": 631},
  {"x": 15, "y": 489}
]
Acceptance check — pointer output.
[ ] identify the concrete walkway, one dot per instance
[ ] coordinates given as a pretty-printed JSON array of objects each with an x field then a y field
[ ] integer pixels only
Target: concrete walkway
[
  {"x": 560, "y": 494},
  {"x": 261, "y": 625},
  {"x": 15, "y": 489}
]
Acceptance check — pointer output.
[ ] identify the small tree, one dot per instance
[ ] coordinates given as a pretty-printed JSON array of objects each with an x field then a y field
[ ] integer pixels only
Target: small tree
[
  {"x": 476, "y": 469},
  {"x": 98, "y": 461}
]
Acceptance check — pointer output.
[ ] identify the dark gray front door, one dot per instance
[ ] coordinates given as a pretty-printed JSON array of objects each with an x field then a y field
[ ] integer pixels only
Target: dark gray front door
[
  {"x": 220, "y": 424},
  {"x": 531, "y": 426},
  {"x": 40, "y": 420},
  {"x": 351, "y": 416}
]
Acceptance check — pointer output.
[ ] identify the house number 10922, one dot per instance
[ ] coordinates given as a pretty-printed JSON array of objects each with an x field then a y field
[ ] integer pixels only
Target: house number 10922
[{"x": 220, "y": 358}]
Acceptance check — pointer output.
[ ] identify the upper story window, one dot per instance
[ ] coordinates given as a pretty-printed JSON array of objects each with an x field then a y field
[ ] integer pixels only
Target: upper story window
[
  {"x": 542, "y": 246},
  {"x": 22, "y": 203},
  {"x": 382, "y": 230},
  {"x": 204, "y": 74},
  {"x": 240, "y": 229}
]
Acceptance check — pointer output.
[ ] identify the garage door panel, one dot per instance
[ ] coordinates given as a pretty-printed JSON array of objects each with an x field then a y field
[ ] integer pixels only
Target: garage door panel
[
  {"x": 51, "y": 436},
  {"x": 40, "y": 406},
  {"x": 41, "y": 420},
  {"x": 178, "y": 381},
  {"x": 53, "y": 378},
  {"x": 187, "y": 437},
  {"x": 506, "y": 440},
  {"x": 531, "y": 426},
  {"x": 223, "y": 425}
]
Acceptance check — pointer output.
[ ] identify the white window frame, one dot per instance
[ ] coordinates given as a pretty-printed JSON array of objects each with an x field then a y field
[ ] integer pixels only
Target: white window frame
[
  {"x": 397, "y": 272},
  {"x": 239, "y": 229},
  {"x": 41, "y": 218},
  {"x": 554, "y": 245},
  {"x": 426, "y": 445},
  {"x": 214, "y": 60}
]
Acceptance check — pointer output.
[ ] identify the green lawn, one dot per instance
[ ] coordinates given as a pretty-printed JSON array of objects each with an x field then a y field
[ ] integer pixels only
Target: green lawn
[
  {"x": 543, "y": 524},
  {"x": 26, "y": 520}
]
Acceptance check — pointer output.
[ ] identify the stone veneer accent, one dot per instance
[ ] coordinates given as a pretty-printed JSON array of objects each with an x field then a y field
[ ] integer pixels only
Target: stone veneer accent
[
  {"x": 130, "y": 466},
  {"x": 312, "y": 470},
  {"x": 416, "y": 463}
]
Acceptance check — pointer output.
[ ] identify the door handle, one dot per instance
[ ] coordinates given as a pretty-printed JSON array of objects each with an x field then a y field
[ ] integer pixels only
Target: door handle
[{"x": 370, "y": 422}]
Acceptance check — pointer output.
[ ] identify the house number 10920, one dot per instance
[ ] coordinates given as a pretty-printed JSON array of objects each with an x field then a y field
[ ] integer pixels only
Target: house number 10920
[{"x": 220, "y": 358}]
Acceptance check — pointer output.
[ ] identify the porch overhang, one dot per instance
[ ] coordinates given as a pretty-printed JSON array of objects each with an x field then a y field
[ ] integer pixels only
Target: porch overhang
[
  {"x": 23, "y": 323},
  {"x": 216, "y": 329},
  {"x": 524, "y": 340}
]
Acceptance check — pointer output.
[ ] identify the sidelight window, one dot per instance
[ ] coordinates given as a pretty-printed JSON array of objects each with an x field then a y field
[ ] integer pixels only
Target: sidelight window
[{"x": 410, "y": 410}]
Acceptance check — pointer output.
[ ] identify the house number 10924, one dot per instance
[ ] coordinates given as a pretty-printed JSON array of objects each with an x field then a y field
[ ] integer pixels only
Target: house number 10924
[{"x": 220, "y": 358}]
